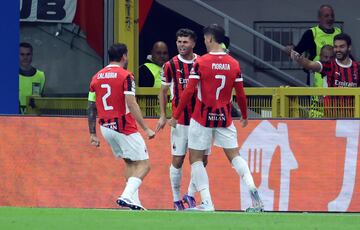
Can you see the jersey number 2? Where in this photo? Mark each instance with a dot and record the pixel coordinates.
(223, 79)
(107, 94)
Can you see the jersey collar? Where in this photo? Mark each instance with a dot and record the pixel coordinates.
(217, 53)
(342, 65)
(187, 61)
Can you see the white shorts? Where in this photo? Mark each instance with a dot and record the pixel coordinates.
(126, 146)
(201, 137)
(179, 140)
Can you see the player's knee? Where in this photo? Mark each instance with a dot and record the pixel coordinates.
(147, 167)
(196, 156)
(177, 161)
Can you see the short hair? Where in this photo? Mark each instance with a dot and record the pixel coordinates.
(26, 45)
(344, 37)
(325, 6)
(117, 51)
(184, 32)
(216, 31)
(326, 47)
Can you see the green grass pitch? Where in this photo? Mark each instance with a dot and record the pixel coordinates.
(15, 218)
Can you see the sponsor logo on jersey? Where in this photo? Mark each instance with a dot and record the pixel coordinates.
(345, 84)
(183, 81)
(111, 125)
(216, 117)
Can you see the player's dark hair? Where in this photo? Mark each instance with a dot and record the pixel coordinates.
(184, 32)
(116, 51)
(343, 37)
(26, 45)
(216, 31)
(325, 6)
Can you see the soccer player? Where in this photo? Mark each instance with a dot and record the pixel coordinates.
(112, 97)
(340, 71)
(215, 75)
(175, 75)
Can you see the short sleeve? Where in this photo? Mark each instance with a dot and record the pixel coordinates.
(326, 68)
(92, 94)
(239, 76)
(129, 85)
(165, 74)
(195, 72)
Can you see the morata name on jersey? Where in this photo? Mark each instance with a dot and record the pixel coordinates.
(220, 66)
(107, 75)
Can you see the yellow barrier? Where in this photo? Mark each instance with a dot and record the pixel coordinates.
(283, 102)
(298, 102)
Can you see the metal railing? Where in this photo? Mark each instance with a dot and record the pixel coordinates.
(228, 19)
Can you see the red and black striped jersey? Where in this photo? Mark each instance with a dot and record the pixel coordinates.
(215, 75)
(175, 73)
(339, 75)
(110, 86)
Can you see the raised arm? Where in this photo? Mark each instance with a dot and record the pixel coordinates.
(306, 63)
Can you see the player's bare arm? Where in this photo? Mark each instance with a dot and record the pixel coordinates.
(92, 123)
(172, 122)
(244, 122)
(287, 49)
(304, 62)
(136, 112)
(163, 102)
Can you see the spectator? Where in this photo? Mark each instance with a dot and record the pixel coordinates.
(316, 37)
(31, 80)
(326, 54)
(149, 72)
(316, 106)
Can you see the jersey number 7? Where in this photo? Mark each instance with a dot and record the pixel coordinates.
(223, 79)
